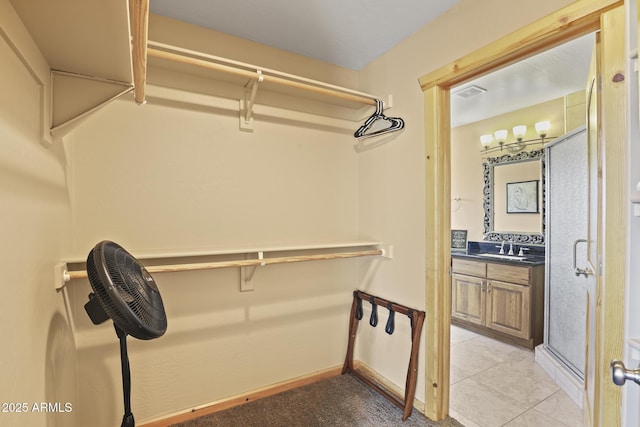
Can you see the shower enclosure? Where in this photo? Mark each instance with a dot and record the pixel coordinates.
(567, 204)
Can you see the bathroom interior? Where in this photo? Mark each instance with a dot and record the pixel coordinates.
(497, 239)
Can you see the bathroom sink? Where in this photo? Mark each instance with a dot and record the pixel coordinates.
(508, 257)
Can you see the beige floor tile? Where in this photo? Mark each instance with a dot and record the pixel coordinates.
(482, 405)
(458, 335)
(561, 407)
(466, 422)
(479, 352)
(507, 351)
(459, 373)
(476, 355)
(534, 418)
(521, 380)
(497, 384)
(465, 364)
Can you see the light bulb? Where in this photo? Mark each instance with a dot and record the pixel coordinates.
(519, 132)
(501, 135)
(543, 127)
(486, 140)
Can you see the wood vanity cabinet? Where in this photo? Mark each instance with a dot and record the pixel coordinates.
(502, 300)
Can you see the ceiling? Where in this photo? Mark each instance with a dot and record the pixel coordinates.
(353, 33)
(348, 33)
(540, 78)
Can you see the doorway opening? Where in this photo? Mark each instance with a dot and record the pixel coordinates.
(536, 101)
(573, 21)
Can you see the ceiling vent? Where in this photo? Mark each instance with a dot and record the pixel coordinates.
(469, 91)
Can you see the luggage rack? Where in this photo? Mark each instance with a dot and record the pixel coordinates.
(417, 320)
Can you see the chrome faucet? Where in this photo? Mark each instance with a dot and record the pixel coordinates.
(510, 248)
(501, 248)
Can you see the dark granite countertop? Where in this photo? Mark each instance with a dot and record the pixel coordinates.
(489, 252)
(527, 260)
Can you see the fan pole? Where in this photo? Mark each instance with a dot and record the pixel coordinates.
(127, 419)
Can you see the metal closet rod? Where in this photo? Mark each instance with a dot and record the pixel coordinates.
(82, 274)
(200, 59)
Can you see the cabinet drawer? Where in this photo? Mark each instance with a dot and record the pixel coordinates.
(509, 273)
(468, 267)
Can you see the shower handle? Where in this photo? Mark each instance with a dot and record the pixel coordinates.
(579, 271)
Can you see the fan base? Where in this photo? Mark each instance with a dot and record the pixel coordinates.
(128, 421)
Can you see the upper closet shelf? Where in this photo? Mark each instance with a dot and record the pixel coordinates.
(255, 74)
(98, 51)
(254, 78)
(87, 50)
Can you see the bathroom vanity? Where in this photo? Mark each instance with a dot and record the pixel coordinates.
(502, 297)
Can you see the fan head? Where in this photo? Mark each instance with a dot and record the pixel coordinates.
(126, 292)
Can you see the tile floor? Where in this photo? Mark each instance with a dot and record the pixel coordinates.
(497, 384)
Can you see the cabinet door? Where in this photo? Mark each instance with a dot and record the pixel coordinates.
(508, 307)
(468, 298)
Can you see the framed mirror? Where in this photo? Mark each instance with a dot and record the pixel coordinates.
(514, 199)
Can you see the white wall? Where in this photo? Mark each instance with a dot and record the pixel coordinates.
(38, 356)
(175, 176)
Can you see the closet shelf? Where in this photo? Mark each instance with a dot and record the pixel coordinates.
(252, 80)
(118, 60)
(77, 51)
(73, 269)
(226, 69)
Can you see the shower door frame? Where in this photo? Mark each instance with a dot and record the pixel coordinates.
(575, 370)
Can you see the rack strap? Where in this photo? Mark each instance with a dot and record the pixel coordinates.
(373, 320)
(390, 327)
(417, 320)
(358, 312)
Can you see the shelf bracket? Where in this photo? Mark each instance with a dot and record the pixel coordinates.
(246, 107)
(61, 275)
(247, 273)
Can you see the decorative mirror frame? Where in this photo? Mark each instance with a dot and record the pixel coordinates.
(489, 233)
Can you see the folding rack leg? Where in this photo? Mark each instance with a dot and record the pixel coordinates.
(353, 327)
(412, 379)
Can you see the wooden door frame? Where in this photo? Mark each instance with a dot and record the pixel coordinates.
(581, 17)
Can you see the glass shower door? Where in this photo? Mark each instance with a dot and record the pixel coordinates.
(567, 205)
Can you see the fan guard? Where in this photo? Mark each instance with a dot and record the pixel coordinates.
(124, 291)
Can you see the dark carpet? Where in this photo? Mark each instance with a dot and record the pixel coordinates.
(342, 401)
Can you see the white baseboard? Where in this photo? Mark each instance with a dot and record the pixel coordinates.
(562, 376)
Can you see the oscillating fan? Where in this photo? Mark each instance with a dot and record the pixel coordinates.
(125, 292)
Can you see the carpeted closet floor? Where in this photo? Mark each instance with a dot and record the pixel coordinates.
(342, 401)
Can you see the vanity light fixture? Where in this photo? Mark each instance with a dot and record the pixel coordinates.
(486, 140)
(519, 132)
(542, 128)
(501, 137)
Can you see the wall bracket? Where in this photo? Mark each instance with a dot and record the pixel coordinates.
(247, 103)
(246, 274)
